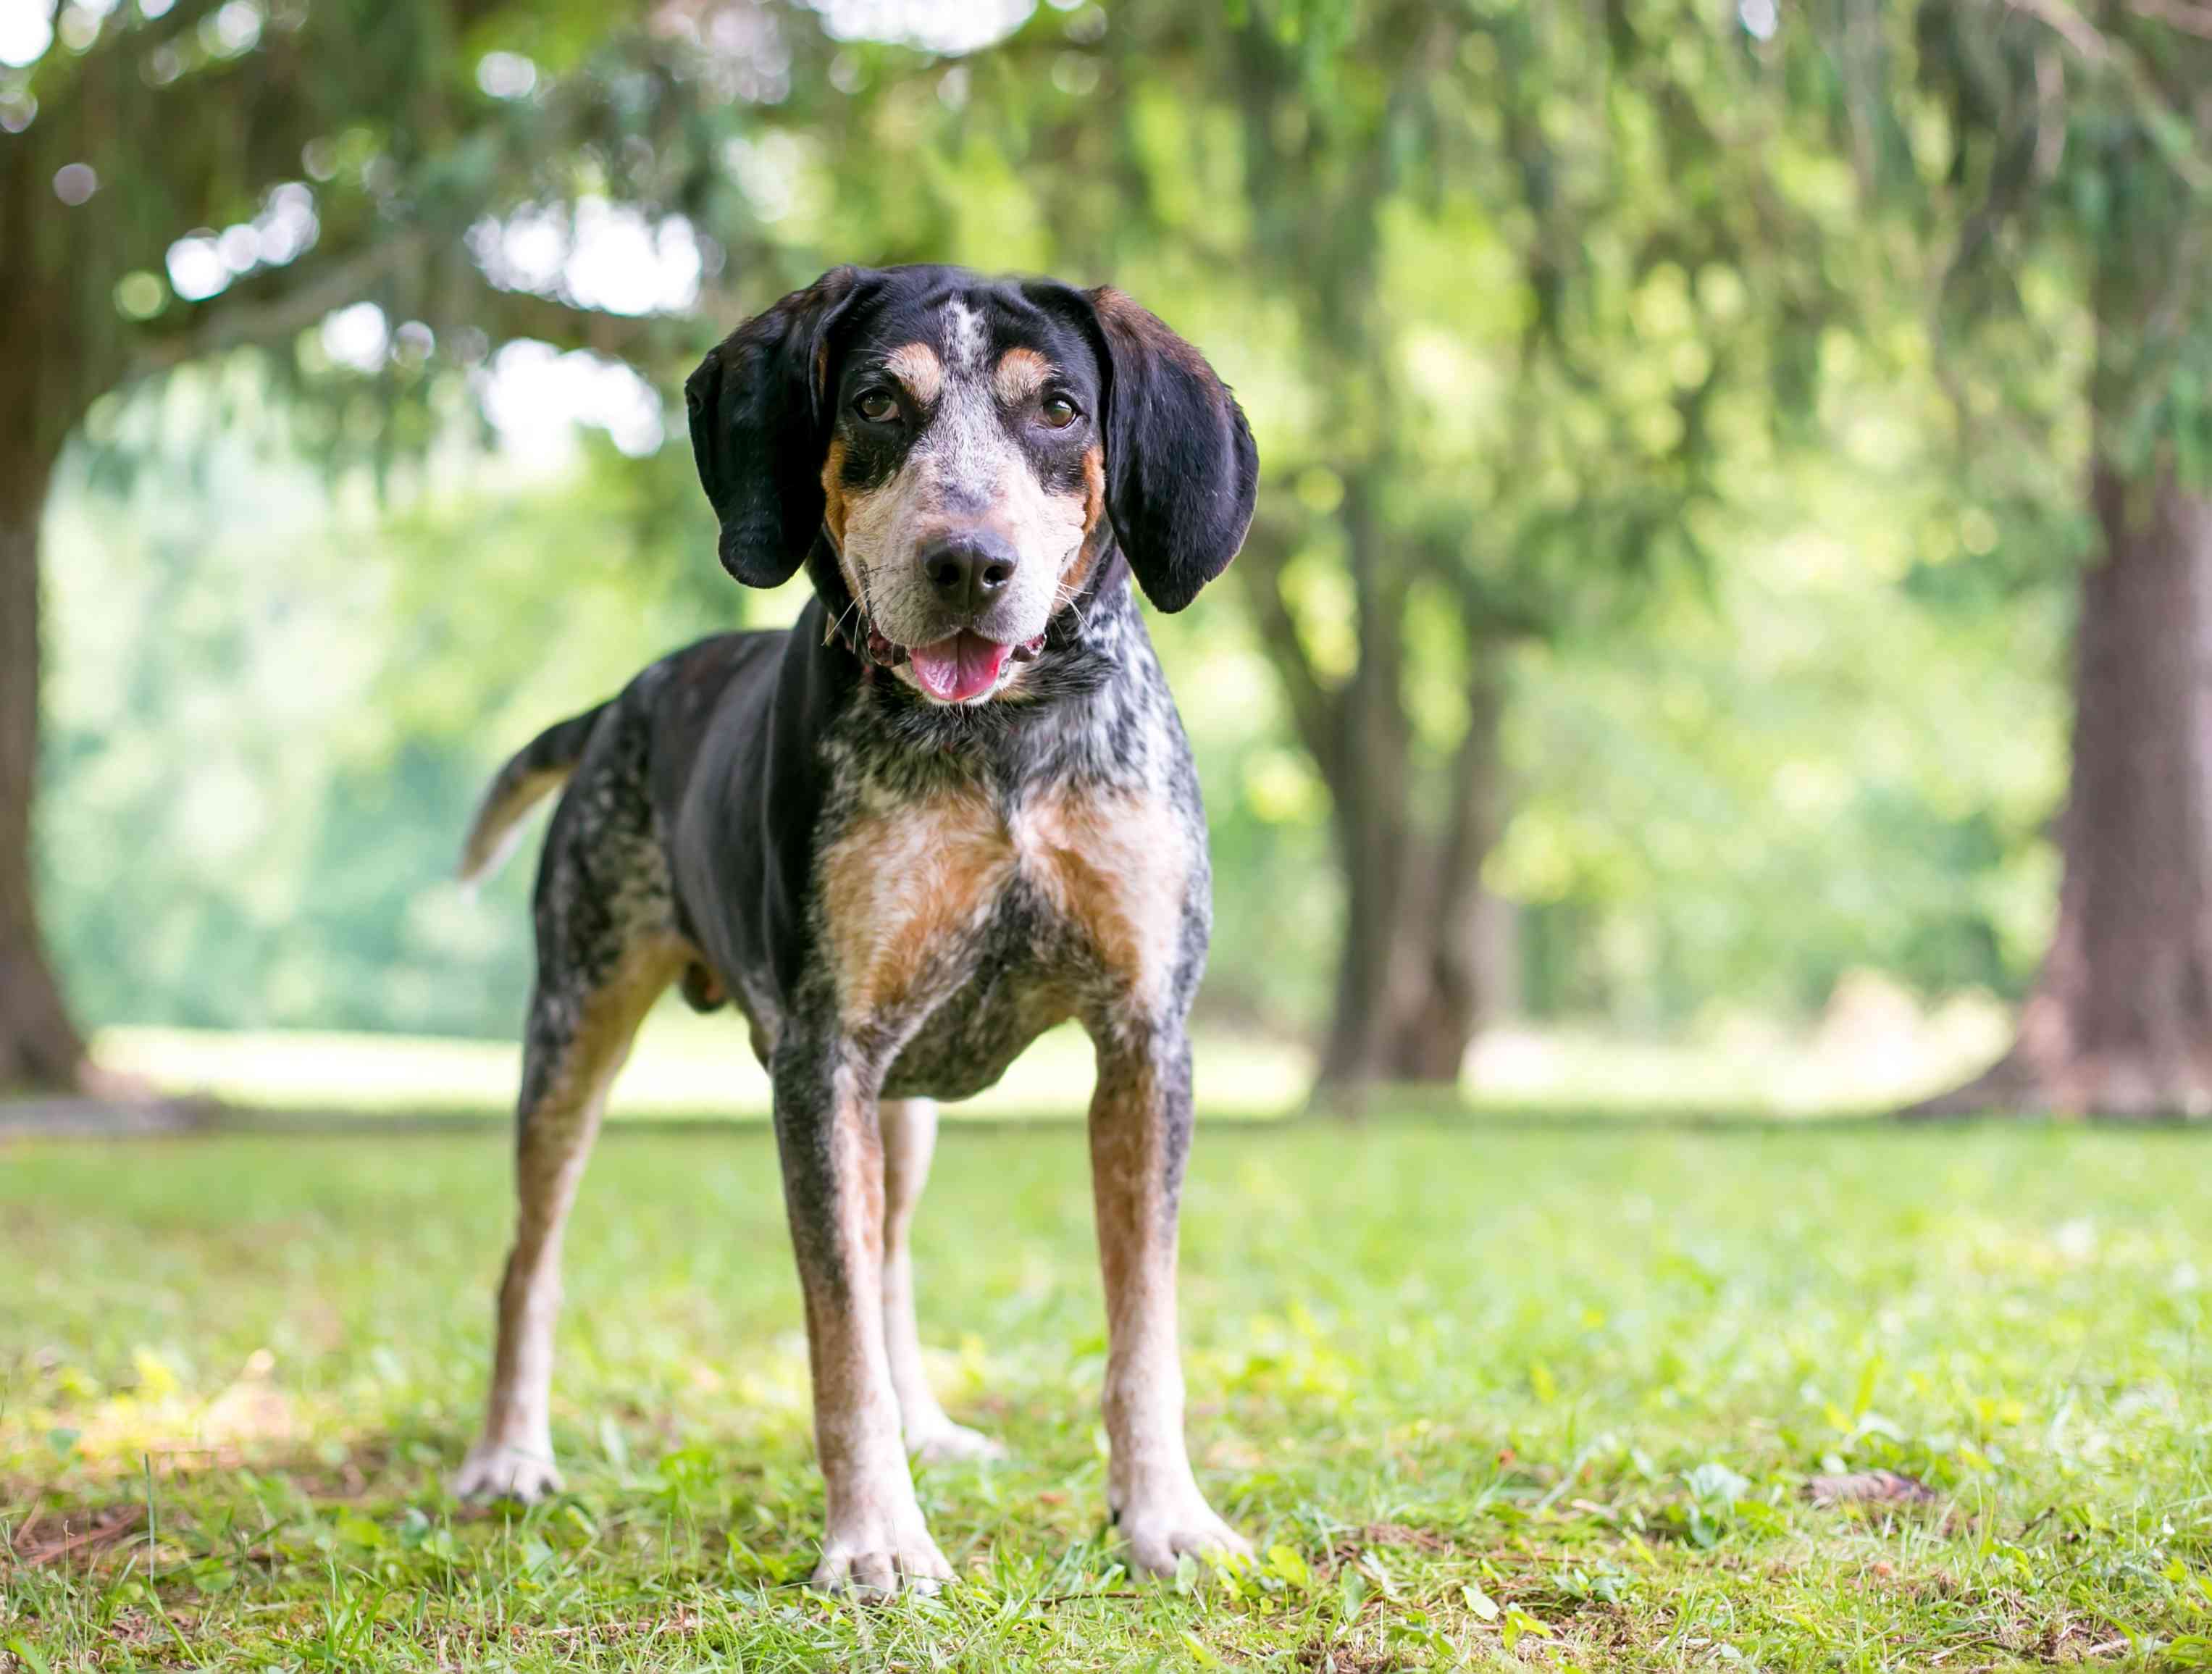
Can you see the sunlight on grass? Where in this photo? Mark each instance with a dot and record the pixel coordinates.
(1482, 1397)
(1875, 1049)
(685, 1065)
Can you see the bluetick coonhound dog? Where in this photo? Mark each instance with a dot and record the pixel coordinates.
(950, 808)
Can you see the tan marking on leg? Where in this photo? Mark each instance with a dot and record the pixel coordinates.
(875, 1540)
(900, 887)
(1150, 1489)
(1128, 1168)
(1020, 373)
(1118, 867)
(916, 366)
(514, 1455)
(910, 1131)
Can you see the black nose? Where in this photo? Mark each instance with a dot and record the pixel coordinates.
(970, 570)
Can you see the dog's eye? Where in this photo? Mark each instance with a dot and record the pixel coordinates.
(1058, 411)
(877, 406)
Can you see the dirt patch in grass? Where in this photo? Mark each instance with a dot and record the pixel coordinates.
(52, 1536)
(1348, 1548)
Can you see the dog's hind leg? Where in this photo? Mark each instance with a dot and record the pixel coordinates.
(910, 1131)
(577, 1042)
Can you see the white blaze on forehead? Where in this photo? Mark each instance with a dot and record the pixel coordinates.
(965, 337)
(968, 451)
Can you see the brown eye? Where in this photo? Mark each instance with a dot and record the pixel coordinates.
(1058, 411)
(877, 406)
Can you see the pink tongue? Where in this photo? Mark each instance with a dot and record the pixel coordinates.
(959, 667)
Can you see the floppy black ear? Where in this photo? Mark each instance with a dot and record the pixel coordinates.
(760, 427)
(1180, 470)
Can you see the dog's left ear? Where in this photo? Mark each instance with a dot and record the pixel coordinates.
(1180, 470)
(759, 407)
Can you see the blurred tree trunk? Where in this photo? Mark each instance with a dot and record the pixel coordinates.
(1458, 972)
(1425, 961)
(2120, 1019)
(1414, 978)
(1425, 958)
(1368, 779)
(205, 148)
(38, 1046)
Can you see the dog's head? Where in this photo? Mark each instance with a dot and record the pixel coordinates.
(971, 449)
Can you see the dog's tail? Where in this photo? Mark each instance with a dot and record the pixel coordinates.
(537, 770)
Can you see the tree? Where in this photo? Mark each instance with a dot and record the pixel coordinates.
(2059, 164)
(1496, 259)
(350, 152)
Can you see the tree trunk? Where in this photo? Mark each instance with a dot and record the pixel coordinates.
(1368, 791)
(2119, 1022)
(38, 1046)
(1422, 962)
(1457, 936)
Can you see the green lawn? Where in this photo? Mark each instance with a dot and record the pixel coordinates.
(1484, 1393)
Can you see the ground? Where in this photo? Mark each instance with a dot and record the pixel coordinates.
(1552, 1394)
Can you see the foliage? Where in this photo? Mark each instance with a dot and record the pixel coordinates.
(1561, 1404)
(1582, 327)
(1844, 754)
(229, 175)
(270, 721)
(2055, 149)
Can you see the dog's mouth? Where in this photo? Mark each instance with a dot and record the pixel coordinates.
(957, 668)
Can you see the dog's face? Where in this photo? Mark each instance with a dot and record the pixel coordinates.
(969, 448)
(965, 483)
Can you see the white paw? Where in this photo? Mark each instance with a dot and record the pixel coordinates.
(873, 1557)
(494, 1470)
(944, 1442)
(1165, 1527)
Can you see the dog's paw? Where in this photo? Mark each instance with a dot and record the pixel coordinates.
(1166, 1527)
(496, 1471)
(946, 1443)
(873, 1558)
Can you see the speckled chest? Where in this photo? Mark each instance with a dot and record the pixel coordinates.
(969, 902)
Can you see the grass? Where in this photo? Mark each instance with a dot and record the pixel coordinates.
(1484, 1394)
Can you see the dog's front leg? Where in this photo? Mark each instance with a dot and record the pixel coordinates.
(1140, 1124)
(833, 1182)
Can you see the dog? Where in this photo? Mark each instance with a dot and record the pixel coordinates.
(950, 808)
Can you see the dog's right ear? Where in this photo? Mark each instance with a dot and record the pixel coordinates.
(759, 408)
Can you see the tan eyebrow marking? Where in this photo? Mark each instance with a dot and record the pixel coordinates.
(916, 366)
(1020, 373)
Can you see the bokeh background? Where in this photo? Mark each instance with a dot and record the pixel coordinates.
(1647, 679)
(1726, 642)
